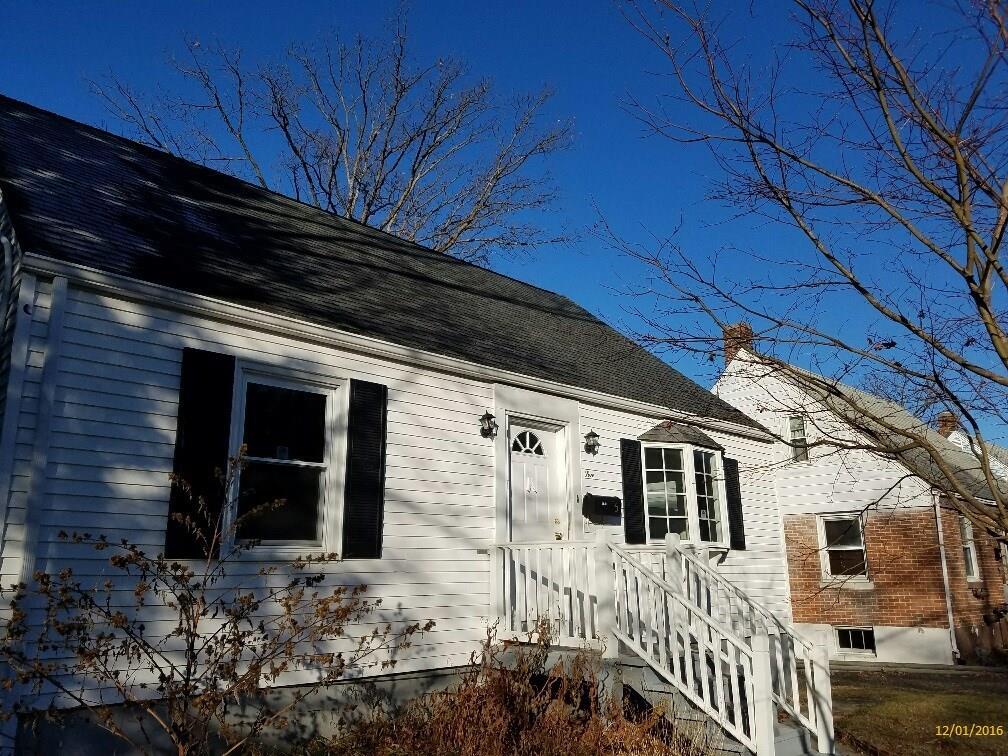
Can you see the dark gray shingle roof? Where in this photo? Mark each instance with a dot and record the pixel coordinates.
(85, 196)
(676, 433)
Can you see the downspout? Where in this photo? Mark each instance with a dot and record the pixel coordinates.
(945, 579)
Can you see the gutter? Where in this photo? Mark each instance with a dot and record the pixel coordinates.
(945, 579)
(174, 299)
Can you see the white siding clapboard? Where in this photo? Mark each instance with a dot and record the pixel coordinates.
(111, 447)
(830, 480)
(760, 570)
(111, 444)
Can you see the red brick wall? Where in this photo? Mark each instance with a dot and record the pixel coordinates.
(903, 565)
(905, 569)
(972, 601)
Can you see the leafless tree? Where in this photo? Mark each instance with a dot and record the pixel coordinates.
(876, 140)
(421, 150)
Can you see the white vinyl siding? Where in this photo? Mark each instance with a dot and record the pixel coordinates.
(760, 569)
(112, 446)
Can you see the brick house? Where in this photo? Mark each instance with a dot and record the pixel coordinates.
(874, 555)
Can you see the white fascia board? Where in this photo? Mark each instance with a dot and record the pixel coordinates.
(130, 288)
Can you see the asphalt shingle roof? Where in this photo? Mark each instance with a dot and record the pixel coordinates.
(86, 196)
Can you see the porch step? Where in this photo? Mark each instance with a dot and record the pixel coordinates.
(789, 739)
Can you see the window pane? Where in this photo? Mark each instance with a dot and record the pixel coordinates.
(798, 427)
(677, 506)
(283, 423)
(679, 525)
(843, 638)
(708, 530)
(296, 519)
(842, 532)
(653, 458)
(869, 639)
(847, 562)
(968, 561)
(676, 486)
(658, 528)
(656, 505)
(673, 459)
(655, 482)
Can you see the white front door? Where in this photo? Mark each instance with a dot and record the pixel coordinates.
(538, 483)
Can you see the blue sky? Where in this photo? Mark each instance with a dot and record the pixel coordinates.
(584, 50)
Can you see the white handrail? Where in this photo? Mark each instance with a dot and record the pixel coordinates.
(713, 593)
(692, 625)
(706, 662)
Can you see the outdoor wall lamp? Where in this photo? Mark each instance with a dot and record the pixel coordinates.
(488, 426)
(591, 442)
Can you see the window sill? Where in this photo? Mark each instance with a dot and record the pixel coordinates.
(846, 584)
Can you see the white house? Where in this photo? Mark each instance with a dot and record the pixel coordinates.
(161, 315)
(876, 556)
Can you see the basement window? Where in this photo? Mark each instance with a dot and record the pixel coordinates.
(859, 640)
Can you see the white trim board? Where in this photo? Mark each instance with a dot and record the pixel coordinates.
(130, 288)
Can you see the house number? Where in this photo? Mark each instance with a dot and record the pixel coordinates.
(589, 475)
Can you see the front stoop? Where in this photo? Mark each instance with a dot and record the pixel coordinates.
(789, 739)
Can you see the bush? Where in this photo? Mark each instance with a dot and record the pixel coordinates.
(514, 702)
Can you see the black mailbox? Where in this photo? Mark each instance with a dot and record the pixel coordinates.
(601, 506)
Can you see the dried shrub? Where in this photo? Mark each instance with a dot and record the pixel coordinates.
(517, 700)
(185, 652)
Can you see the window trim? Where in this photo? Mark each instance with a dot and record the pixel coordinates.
(692, 507)
(828, 577)
(971, 564)
(857, 651)
(337, 392)
(798, 453)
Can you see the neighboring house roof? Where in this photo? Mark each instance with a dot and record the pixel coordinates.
(84, 196)
(677, 433)
(869, 414)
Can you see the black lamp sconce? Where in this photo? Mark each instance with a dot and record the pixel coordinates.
(488, 426)
(591, 444)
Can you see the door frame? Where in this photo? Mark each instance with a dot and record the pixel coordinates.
(557, 456)
(515, 405)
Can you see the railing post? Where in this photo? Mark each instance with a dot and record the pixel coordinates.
(764, 712)
(497, 578)
(605, 593)
(823, 693)
(673, 562)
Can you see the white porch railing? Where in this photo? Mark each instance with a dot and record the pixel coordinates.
(729, 655)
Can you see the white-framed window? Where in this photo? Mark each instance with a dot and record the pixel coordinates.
(969, 549)
(798, 438)
(684, 493)
(841, 544)
(287, 496)
(859, 640)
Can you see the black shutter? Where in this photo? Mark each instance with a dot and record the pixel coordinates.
(736, 528)
(202, 440)
(364, 495)
(633, 491)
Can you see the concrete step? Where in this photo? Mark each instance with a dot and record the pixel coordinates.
(790, 739)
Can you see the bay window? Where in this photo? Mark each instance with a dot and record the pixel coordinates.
(684, 493)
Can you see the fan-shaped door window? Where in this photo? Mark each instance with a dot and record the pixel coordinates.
(528, 442)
